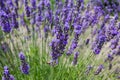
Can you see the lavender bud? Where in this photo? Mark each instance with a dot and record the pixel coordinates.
(110, 57)
(75, 58)
(96, 50)
(27, 8)
(21, 56)
(99, 69)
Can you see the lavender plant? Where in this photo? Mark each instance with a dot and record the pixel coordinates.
(55, 33)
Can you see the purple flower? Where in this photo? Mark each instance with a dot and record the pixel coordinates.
(75, 58)
(74, 44)
(66, 27)
(27, 9)
(99, 41)
(21, 56)
(99, 69)
(41, 5)
(55, 49)
(110, 57)
(33, 3)
(69, 52)
(80, 4)
(48, 5)
(114, 43)
(4, 21)
(102, 38)
(10, 4)
(96, 50)
(6, 74)
(10, 78)
(55, 55)
(24, 65)
(6, 27)
(25, 68)
(2, 4)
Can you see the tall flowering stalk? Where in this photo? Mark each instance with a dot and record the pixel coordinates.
(57, 44)
(24, 65)
(77, 33)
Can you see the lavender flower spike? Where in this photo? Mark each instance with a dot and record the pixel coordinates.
(75, 58)
(24, 65)
(99, 69)
(25, 68)
(6, 74)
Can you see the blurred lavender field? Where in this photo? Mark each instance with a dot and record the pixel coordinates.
(59, 39)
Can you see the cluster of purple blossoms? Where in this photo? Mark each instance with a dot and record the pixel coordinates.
(77, 31)
(7, 75)
(112, 30)
(67, 18)
(58, 44)
(4, 22)
(24, 65)
(113, 35)
(69, 15)
(114, 43)
(100, 39)
(8, 16)
(109, 6)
